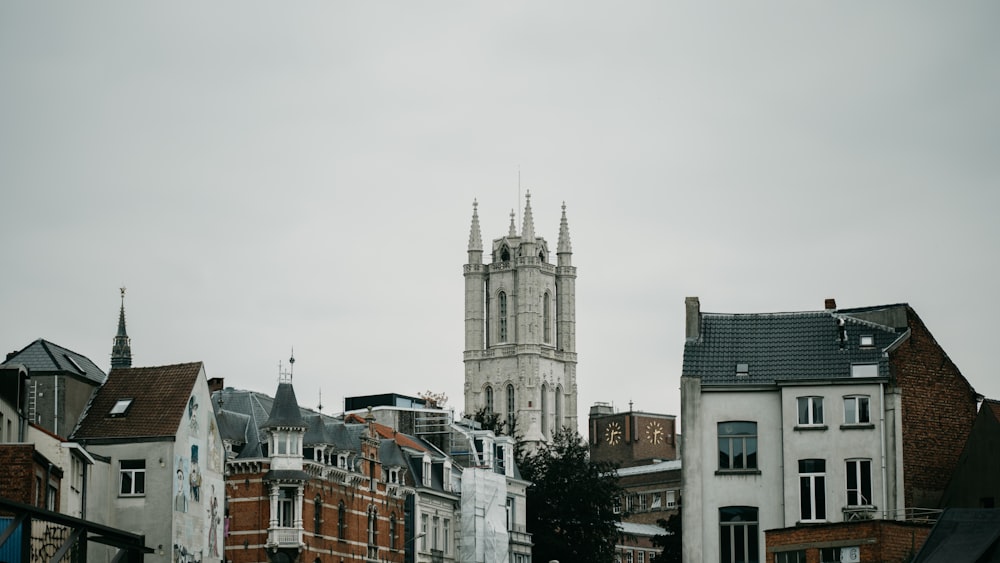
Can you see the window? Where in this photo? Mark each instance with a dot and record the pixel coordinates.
(856, 410)
(812, 490)
(341, 521)
(318, 514)
(435, 532)
(617, 507)
(738, 534)
(446, 539)
(502, 300)
(489, 399)
(426, 477)
(737, 446)
(642, 503)
(864, 370)
(630, 503)
(286, 506)
(546, 319)
(628, 557)
(510, 410)
(859, 482)
(829, 555)
(133, 477)
(372, 526)
(510, 513)
(641, 557)
(121, 407)
(392, 531)
(671, 499)
(342, 460)
(424, 522)
(790, 557)
(810, 411)
(657, 503)
(867, 341)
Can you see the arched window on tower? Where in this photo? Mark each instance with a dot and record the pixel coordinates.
(547, 318)
(393, 533)
(502, 317)
(544, 403)
(511, 412)
(489, 399)
(318, 514)
(341, 521)
(372, 528)
(559, 407)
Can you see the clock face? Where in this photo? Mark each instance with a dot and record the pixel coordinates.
(654, 432)
(613, 433)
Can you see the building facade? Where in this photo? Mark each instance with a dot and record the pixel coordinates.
(520, 329)
(799, 419)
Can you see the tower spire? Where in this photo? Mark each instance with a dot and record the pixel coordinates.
(475, 236)
(528, 225)
(565, 247)
(512, 232)
(121, 350)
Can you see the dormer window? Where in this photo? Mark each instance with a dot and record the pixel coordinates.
(867, 341)
(427, 471)
(392, 476)
(121, 407)
(342, 460)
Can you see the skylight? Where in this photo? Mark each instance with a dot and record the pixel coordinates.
(120, 407)
(75, 365)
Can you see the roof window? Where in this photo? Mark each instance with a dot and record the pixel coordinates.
(742, 370)
(867, 341)
(121, 407)
(75, 365)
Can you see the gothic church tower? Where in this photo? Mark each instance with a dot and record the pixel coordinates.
(520, 329)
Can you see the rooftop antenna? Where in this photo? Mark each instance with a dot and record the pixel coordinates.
(291, 365)
(319, 407)
(518, 194)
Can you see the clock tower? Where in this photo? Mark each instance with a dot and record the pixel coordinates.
(520, 329)
(631, 438)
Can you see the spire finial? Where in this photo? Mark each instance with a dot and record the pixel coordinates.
(475, 236)
(564, 247)
(512, 232)
(121, 349)
(528, 225)
(319, 406)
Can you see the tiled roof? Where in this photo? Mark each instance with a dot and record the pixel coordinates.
(783, 346)
(285, 411)
(42, 357)
(642, 530)
(159, 401)
(994, 406)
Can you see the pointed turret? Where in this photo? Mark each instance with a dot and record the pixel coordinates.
(475, 237)
(512, 232)
(565, 248)
(121, 350)
(528, 225)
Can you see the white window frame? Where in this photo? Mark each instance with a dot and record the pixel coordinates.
(809, 411)
(852, 409)
(816, 481)
(856, 468)
(136, 476)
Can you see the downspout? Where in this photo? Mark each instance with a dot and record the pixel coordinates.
(885, 479)
(55, 406)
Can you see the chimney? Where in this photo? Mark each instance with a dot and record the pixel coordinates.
(216, 384)
(693, 318)
(830, 304)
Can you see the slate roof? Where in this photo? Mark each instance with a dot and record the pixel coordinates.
(783, 346)
(963, 534)
(42, 357)
(159, 402)
(285, 410)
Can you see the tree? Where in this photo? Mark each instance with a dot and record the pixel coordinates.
(570, 511)
(670, 540)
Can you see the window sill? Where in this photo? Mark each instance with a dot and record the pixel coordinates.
(857, 426)
(811, 428)
(722, 472)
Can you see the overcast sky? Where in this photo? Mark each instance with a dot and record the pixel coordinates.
(264, 176)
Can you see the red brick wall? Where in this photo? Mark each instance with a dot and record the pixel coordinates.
(17, 480)
(249, 511)
(938, 411)
(885, 541)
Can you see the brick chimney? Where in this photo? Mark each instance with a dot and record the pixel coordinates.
(830, 304)
(693, 318)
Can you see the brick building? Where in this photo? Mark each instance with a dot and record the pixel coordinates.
(305, 487)
(887, 541)
(797, 420)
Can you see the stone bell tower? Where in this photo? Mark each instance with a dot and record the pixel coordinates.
(520, 329)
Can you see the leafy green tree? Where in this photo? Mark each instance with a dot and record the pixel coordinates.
(570, 511)
(670, 541)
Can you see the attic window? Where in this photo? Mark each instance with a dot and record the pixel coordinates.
(121, 407)
(867, 341)
(742, 370)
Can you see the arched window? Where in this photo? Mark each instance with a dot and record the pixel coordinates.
(372, 526)
(511, 412)
(317, 514)
(341, 522)
(502, 316)
(544, 403)
(489, 399)
(392, 531)
(546, 318)
(559, 407)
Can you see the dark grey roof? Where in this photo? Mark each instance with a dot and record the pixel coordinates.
(285, 410)
(783, 346)
(317, 431)
(963, 534)
(42, 357)
(286, 475)
(234, 426)
(389, 453)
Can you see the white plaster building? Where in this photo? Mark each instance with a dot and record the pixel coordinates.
(520, 329)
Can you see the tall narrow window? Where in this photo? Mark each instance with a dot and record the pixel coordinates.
(544, 403)
(810, 411)
(341, 521)
(812, 490)
(393, 533)
(286, 505)
(502, 316)
(446, 536)
(489, 399)
(546, 318)
(738, 530)
(372, 526)
(737, 446)
(424, 524)
(558, 399)
(511, 413)
(318, 515)
(859, 482)
(856, 410)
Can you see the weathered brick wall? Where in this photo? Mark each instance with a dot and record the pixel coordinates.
(938, 411)
(884, 541)
(17, 480)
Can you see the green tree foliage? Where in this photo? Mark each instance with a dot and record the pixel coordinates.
(570, 511)
(670, 540)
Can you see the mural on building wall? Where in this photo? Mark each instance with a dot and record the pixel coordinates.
(195, 474)
(180, 485)
(214, 448)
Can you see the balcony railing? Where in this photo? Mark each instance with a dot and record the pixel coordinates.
(284, 537)
(911, 514)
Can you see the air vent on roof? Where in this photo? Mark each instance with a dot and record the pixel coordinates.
(742, 370)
